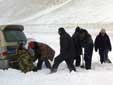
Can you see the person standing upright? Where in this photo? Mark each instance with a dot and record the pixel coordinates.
(103, 44)
(77, 45)
(86, 43)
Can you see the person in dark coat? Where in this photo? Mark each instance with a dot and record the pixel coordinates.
(42, 52)
(103, 44)
(77, 45)
(66, 51)
(86, 43)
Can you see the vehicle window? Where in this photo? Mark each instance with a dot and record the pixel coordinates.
(14, 36)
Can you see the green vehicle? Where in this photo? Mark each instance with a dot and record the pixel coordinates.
(10, 37)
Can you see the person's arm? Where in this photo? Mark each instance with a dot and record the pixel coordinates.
(109, 44)
(96, 44)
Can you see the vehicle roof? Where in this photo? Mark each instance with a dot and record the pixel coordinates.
(3, 27)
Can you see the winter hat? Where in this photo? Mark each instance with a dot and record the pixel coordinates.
(61, 30)
(31, 45)
(28, 41)
(102, 30)
(77, 29)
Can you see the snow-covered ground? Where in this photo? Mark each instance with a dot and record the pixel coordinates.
(44, 29)
(98, 75)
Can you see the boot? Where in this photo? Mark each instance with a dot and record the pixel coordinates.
(108, 61)
(35, 69)
(53, 70)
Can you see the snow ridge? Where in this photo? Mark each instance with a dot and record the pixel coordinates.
(57, 4)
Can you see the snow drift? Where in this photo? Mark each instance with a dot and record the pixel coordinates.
(79, 12)
(70, 11)
(14, 11)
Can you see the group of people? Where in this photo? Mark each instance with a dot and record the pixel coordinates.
(71, 50)
(26, 56)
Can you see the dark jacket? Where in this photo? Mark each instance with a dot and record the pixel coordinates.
(46, 51)
(66, 45)
(41, 51)
(77, 43)
(102, 42)
(85, 38)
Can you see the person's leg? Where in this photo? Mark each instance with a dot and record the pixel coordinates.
(107, 60)
(47, 63)
(69, 62)
(88, 56)
(57, 61)
(39, 64)
(78, 61)
(102, 59)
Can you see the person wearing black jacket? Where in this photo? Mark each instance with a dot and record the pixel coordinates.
(66, 51)
(77, 45)
(86, 43)
(103, 44)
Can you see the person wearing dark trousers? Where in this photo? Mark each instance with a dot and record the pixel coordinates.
(103, 44)
(77, 45)
(37, 54)
(40, 62)
(59, 59)
(88, 55)
(66, 51)
(87, 44)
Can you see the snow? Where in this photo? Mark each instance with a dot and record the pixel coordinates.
(91, 15)
(16, 11)
(79, 12)
(66, 11)
(100, 74)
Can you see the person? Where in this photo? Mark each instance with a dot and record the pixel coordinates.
(66, 51)
(25, 62)
(86, 43)
(103, 44)
(42, 52)
(77, 45)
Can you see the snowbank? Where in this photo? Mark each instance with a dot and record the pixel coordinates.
(79, 12)
(16, 11)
